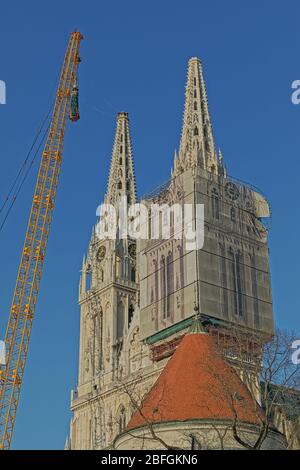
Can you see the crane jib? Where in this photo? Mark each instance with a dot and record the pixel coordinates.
(34, 249)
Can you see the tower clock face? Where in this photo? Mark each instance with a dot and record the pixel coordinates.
(101, 254)
(231, 191)
(132, 251)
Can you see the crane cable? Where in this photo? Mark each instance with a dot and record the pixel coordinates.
(18, 182)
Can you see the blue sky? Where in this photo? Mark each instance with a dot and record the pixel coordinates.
(134, 59)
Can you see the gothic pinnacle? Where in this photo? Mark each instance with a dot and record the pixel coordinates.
(197, 144)
(121, 177)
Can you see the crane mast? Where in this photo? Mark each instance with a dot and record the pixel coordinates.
(31, 264)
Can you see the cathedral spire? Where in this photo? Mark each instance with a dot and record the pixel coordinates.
(121, 176)
(197, 144)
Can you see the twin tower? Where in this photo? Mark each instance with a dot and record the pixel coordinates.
(138, 297)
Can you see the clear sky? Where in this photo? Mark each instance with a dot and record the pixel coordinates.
(134, 59)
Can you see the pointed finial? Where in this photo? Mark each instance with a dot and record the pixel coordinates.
(196, 325)
(173, 170)
(93, 236)
(196, 310)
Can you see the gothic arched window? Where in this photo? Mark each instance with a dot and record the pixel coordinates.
(236, 272)
(238, 262)
(232, 214)
(118, 266)
(130, 313)
(132, 274)
(122, 420)
(233, 280)
(120, 320)
(195, 105)
(215, 204)
(163, 285)
(196, 132)
(88, 283)
(169, 276)
(120, 185)
(149, 224)
(223, 279)
(195, 445)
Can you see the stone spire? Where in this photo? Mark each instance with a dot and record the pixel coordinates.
(197, 144)
(121, 176)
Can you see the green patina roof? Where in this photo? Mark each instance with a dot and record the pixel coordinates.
(170, 330)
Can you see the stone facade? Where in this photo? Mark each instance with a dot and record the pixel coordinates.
(137, 298)
(197, 435)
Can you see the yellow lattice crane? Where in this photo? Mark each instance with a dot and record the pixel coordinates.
(32, 259)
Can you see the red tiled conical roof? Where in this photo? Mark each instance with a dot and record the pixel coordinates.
(196, 383)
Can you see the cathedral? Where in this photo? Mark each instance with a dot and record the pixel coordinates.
(150, 309)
